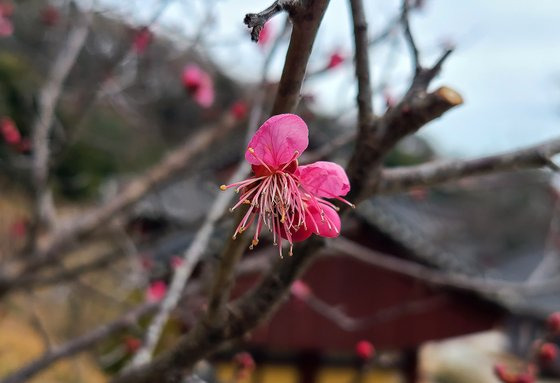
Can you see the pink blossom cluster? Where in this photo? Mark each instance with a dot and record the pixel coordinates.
(289, 199)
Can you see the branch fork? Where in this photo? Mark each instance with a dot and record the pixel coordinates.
(256, 21)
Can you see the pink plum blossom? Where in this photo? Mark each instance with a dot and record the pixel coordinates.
(156, 291)
(287, 198)
(9, 131)
(6, 27)
(199, 84)
(142, 39)
(239, 110)
(335, 60)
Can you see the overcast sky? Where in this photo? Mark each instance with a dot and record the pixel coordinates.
(506, 66)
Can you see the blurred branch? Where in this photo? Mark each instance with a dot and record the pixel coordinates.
(361, 57)
(33, 280)
(48, 99)
(258, 263)
(549, 265)
(413, 112)
(409, 37)
(79, 344)
(347, 323)
(183, 272)
(243, 316)
(404, 178)
(503, 293)
(328, 148)
(99, 84)
(69, 232)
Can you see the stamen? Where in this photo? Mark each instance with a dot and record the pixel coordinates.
(296, 155)
(346, 202)
(252, 151)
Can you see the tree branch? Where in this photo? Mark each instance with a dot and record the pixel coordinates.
(243, 316)
(79, 344)
(409, 37)
(361, 57)
(404, 178)
(408, 116)
(70, 232)
(207, 337)
(306, 20)
(48, 99)
(258, 263)
(174, 162)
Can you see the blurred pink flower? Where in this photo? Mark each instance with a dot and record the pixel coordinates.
(239, 110)
(6, 26)
(548, 352)
(142, 40)
(50, 16)
(364, 350)
(199, 84)
(245, 365)
(553, 323)
(132, 344)
(18, 229)
(335, 60)
(156, 291)
(506, 376)
(300, 290)
(176, 261)
(9, 131)
(287, 198)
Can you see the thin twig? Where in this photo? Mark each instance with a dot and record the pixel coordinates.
(409, 37)
(361, 57)
(347, 323)
(48, 99)
(404, 178)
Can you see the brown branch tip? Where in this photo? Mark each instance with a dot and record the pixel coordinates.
(256, 21)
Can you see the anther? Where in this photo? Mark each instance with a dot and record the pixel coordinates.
(223, 187)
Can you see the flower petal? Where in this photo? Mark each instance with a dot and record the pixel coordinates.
(301, 234)
(277, 140)
(329, 227)
(324, 179)
(204, 95)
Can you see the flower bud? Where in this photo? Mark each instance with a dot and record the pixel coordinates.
(553, 322)
(548, 352)
(364, 350)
